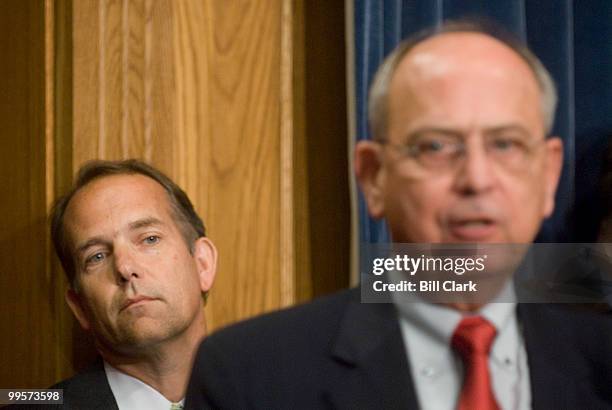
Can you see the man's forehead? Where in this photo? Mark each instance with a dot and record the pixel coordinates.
(116, 195)
(463, 79)
(448, 52)
(114, 188)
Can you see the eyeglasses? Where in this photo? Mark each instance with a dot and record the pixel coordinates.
(440, 152)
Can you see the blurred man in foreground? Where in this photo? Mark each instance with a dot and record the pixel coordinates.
(459, 154)
(139, 266)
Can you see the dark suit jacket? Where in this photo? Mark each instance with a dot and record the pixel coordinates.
(88, 390)
(339, 353)
(85, 391)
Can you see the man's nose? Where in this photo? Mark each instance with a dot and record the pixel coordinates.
(126, 266)
(476, 172)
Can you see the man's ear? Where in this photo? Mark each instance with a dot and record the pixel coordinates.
(554, 163)
(368, 170)
(74, 302)
(205, 255)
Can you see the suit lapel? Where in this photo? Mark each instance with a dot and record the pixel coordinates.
(90, 390)
(369, 344)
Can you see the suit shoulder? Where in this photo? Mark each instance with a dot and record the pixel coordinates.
(92, 376)
(314, 320)
(239, 363)
(89, 388)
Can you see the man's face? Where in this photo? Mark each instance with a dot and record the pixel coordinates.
(138, 283)
(470, 88)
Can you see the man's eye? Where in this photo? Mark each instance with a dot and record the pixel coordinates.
(151, 239)
(431, 146)
(434, 147)
(502, 144)
(95, 258)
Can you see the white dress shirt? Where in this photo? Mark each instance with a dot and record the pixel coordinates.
(437, 371)
(133, 394)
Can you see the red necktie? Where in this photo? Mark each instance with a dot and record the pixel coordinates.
(472, 340)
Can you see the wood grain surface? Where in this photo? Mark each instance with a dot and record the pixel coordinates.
(215, 93)
(28, 308)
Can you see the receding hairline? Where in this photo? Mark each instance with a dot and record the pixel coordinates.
(460, 37)
(89, 185)
(380, 87)
(445, 51)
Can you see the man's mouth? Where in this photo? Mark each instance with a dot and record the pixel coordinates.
(477, 229)
(136, 301)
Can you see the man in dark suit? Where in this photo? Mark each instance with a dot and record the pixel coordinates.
(460, 117)
(139, 266)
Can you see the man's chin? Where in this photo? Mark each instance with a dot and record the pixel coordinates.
(140, 337)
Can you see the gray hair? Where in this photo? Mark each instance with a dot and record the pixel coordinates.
(379, 90)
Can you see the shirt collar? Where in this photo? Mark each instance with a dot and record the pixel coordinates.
(133, 394)
(439, 322)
